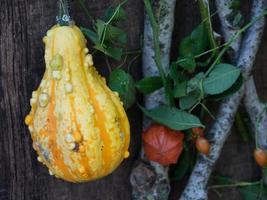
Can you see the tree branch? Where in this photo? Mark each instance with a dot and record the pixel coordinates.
(256, 110)
(253, 105)
(196, 187)
(150, 180)
(223, 8)
(258, 116)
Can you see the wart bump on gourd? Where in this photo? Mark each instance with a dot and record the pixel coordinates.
(72, 112)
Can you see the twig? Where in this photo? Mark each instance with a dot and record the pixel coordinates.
(251, 99)
(205, 14)
(108, 64)
(233, 39)
(208, 111)
(196, 187)
(132, 62)
(150, 180)
(224, 11)
(104, 32)
(238, 184)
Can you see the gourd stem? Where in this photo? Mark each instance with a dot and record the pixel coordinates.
(63, 18)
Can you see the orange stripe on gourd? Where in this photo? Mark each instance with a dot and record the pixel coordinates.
(57, 158)
(124, 126)
(123, 120)
(84, 160)
(100, 124)
(82, 80)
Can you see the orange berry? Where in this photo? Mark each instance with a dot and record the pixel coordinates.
(260, 157)
(203, 145)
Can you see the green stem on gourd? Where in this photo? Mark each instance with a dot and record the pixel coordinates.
(63, 18)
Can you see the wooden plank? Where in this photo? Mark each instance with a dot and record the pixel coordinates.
(22, 26)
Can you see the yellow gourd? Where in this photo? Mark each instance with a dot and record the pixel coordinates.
(78, 125)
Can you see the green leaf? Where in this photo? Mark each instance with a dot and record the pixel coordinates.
(195, 43)
(199, 38)
(123, 83)
(115, 34)
(176, 75)
(182, 166)
(174, 71)
(149, 84)
(90, 34)
(187, 63)
(109, 33)
(233, 89)
(172, 117)
(118, 16)
(189, 100)
(194, 84)
(108, 38)
(100, 28)
(185, 47)
(221, 78)
(179, 89)
(254, 192)
(112, 52)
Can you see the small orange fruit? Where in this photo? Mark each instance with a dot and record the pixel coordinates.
(260, 157)
(203, 145)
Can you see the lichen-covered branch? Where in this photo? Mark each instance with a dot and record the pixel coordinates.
(165, 10)
(255, 108)
(257, 112)
(252, 103)
(228, 31)
(150, 180)
(196, 188)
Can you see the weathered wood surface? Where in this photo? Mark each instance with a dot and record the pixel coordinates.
(22, 26)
